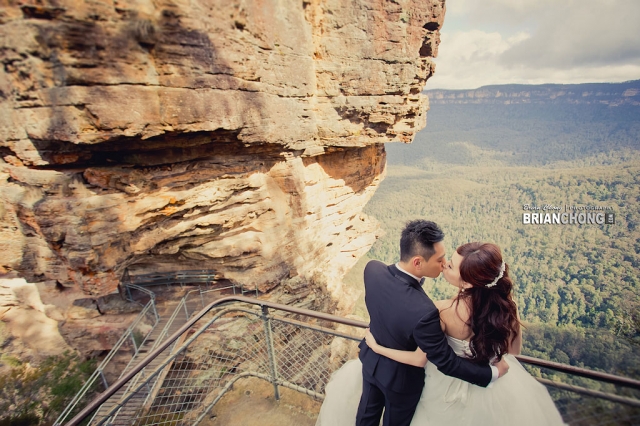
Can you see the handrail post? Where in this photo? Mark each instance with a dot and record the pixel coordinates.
(155, 311)
(133, 339)
(270, 349)
(184, 303)
(104, 380)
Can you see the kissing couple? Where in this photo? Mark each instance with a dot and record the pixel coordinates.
(464, 345)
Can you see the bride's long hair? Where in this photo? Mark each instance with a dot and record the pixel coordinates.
(493, 315)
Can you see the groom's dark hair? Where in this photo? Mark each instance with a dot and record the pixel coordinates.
(418, 238)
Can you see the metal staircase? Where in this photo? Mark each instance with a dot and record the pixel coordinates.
(166, 326)
(174, 316)
(170, 324)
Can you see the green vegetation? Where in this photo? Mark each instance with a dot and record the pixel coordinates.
(564, 274)
(37, 395)
(472, 171)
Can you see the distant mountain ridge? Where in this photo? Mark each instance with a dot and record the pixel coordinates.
(612, 94)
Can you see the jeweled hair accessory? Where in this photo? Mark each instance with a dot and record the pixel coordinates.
(500, 275)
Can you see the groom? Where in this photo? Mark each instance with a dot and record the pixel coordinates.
(404, 317)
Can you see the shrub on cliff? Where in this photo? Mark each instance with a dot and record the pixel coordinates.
(35, 395)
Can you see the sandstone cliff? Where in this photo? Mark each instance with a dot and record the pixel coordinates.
(240, 136)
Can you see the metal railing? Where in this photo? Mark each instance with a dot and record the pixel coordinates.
(138, 339)
(238, 337)
(140, 328)
(192, 276)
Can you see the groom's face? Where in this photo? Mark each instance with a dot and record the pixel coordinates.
(435, 264)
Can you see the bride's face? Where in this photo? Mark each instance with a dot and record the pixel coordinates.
(452, 271)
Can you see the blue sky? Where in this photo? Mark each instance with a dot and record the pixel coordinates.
(537, 41)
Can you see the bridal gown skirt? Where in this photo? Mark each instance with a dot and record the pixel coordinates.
(515, 399)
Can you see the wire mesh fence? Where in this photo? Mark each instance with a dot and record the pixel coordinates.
(287, 349)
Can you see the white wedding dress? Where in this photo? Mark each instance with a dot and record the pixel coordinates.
(514, 399)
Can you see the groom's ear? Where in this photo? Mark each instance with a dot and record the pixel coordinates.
(416, 261)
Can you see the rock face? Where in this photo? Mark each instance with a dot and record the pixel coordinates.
(37, 320)
(240, 136)
(28, 325)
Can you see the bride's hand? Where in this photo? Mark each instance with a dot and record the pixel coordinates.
(371, 341)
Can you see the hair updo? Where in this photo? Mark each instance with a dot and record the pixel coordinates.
(493, 315)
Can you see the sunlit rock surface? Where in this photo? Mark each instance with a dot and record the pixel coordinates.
(28, 325)
(240, 136)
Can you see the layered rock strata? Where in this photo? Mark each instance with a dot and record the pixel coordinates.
(240, 136)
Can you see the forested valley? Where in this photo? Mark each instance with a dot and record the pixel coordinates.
(475, 167)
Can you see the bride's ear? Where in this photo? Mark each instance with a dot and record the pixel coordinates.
(464, 285)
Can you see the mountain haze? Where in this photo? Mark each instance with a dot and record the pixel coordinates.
(611, 94)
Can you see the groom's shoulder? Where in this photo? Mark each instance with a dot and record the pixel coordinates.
(375, 264)
(375, 267)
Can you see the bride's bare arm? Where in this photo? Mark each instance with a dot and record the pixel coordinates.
(516, 345)
(416, 358)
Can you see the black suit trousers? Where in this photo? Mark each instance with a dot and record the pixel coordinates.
(398, 407)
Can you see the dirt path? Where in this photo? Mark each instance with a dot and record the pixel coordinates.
(252, 402)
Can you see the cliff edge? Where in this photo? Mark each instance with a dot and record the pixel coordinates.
(239, 136)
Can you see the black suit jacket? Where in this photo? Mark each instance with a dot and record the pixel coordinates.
(404, 317)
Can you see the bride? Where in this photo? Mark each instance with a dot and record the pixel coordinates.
(481, 323)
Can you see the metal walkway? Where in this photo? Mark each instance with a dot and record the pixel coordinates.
(139, 343)
(237, 337)
(176, 316)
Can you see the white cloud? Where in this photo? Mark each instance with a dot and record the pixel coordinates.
(583, 36)
(538, 41)
(477, 46)
(468, 59)
(502, 13)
